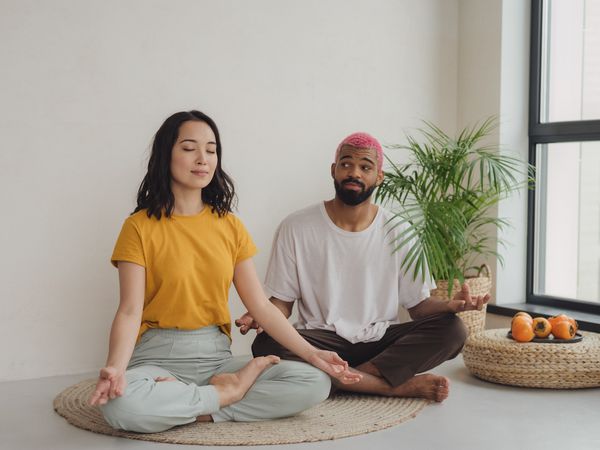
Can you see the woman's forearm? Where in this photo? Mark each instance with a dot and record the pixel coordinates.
(266, 313)
(123, 334)
(277, 326)
(126, 324)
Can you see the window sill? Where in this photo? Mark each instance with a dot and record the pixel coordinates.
(587, 321)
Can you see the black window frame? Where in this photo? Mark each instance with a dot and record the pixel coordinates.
(544, 133)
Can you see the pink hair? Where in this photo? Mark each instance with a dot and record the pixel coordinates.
(362, 140)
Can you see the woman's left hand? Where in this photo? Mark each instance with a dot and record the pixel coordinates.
(334, 366)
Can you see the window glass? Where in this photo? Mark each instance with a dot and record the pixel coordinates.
(567, 248)
(570, 61)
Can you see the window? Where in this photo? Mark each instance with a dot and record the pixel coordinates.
(563, 254)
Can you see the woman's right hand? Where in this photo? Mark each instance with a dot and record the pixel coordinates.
(334, 366)
(111, 384)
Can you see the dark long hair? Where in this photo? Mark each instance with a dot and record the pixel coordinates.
(155, 193)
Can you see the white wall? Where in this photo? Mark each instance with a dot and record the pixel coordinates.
(479, 74)
(86, 83)
(514, 112)
(494, 80)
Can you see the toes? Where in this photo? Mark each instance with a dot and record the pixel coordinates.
(442, 389)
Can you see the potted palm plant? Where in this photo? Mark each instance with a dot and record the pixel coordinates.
(446, 196)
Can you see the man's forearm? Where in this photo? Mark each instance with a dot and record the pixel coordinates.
(429, 307)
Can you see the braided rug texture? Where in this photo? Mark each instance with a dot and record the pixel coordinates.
(340, 416)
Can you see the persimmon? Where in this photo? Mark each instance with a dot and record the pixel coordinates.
(562, 317)
(541, 327)
(574, 323)
(563, 330)
(522, 329)
(521, 315)
(556, 319)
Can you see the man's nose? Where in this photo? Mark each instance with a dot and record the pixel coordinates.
(355, 172)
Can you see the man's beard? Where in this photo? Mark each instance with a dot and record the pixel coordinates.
(353, 198)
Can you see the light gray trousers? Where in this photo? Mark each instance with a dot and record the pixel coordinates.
(193, 357)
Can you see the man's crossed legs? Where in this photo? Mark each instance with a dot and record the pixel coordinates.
(394, 365)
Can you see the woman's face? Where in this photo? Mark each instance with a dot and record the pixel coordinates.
(194, 157)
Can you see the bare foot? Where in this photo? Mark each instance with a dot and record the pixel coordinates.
(205, 418)
(427, 385)
(233, 386)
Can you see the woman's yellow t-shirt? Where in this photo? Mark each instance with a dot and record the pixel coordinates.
(189, 263)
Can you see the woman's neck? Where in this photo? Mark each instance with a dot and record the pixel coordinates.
(187, 203)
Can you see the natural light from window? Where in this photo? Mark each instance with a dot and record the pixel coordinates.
(571, 61)
(567, 219)
(568, 246)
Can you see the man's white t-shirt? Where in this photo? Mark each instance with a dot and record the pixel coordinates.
(348, 282)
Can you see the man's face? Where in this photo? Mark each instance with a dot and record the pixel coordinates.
(355, 174)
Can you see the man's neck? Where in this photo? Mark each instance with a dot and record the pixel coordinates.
(351, 218)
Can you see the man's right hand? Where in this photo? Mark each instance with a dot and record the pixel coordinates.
(247, 323)
(111, 384)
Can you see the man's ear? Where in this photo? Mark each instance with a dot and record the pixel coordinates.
(380, 177)
(333, 170)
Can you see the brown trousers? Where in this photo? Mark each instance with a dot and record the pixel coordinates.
(405, 350)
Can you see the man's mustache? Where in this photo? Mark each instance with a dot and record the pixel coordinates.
(355, 181)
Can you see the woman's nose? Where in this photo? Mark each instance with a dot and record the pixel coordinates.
(201, 158)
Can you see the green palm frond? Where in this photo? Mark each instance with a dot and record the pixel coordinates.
(442, 199)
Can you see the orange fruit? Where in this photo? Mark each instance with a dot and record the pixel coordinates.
(541, 327)
(522, 329)
(521, 316)
(563, 330)
(574, 323)
(562, 317)
(556, 319)
(524, 314)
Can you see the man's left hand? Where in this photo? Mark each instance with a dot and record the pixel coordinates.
(464, 301)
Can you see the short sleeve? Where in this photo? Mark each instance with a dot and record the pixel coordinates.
(245, 247)
(129, 245)
(413, 290)
(282, 280)
(412, 293)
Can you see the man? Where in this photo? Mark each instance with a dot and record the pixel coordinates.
(336, 260)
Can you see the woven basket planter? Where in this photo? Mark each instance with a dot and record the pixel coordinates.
(480, 284)
(492, 356)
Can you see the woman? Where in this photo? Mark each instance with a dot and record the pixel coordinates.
(177, 255)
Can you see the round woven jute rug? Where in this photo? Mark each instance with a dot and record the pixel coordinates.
(340, 416)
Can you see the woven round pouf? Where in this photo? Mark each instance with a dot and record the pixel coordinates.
(492, 356)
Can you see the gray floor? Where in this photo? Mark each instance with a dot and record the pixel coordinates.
(478, 415)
